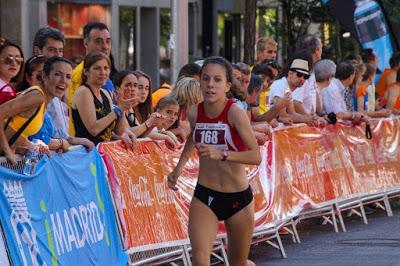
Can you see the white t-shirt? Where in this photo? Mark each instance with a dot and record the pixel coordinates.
(58, 111)
(307, 94)
(332, 97)
(278, 88)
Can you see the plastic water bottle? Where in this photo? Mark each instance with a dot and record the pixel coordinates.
(31, 159)
(372, 30)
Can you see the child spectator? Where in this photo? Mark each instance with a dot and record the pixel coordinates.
(168, 108)
(267, 76)
(187, 93)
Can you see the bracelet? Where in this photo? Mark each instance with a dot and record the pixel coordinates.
(117, 111)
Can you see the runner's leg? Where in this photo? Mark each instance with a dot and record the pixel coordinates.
(239, 229)
(203, 225)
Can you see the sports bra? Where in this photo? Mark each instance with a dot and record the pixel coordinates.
(217, 131)
(34, 126)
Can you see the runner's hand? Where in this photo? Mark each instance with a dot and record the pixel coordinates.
(173, 178)
(209, 152)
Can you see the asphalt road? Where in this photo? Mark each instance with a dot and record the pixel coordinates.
(375, 243)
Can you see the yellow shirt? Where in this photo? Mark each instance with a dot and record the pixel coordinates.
(34, 126)
(76, 82)
(263, 106)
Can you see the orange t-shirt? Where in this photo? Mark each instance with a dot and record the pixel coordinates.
(397, 104)
(361, 91)
(381, 86)
(160, 93)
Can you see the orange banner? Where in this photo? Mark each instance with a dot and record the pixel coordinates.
(302, 166)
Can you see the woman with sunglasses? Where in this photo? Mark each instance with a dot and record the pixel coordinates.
(23, 116)
(11, 61)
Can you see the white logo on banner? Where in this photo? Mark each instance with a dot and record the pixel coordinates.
(21, 223)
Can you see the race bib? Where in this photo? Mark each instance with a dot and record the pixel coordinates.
(211, 133)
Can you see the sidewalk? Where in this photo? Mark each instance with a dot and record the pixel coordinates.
(377, 243)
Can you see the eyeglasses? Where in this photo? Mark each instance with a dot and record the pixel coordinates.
(302, 75)
(9, 59)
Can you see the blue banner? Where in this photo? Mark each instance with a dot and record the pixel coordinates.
(61, 215)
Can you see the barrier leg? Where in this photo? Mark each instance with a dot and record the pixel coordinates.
(281, 248)
(363, 213)
(387, 205)
(296, 234)
(334, 220)
(223, 253)
(186, 256)
(340, 218)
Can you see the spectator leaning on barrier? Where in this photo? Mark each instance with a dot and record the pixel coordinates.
(267, 75)
(47, 132)
(324, 71)
(266, 49)
(333, 96)
(126, 84)
(305, 98)
(388, 76)
(369, 57)
(23, 116)
(296, 74)
(96, 38)
(94, 115)
(361, 95)
(49, 42)
(392, 96)
(222, 192)
(11, 68)
(261, 129)
(168, 109)
(143, 110)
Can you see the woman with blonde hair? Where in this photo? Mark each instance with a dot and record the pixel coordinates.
(187, 93)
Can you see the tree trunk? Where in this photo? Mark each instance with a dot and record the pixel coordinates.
(249, 31)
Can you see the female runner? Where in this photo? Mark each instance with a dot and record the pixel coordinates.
(222, 134)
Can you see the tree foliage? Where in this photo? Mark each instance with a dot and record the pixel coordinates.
(297, 17)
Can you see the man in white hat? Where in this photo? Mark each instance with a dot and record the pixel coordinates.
(296, 74)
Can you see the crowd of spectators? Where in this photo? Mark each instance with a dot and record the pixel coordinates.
(46, 97)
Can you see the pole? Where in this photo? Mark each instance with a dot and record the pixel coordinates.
(179, 39)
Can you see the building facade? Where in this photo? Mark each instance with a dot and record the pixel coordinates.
(140, 29)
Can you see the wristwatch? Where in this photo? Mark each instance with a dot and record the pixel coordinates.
(224, 154)
(117, 111)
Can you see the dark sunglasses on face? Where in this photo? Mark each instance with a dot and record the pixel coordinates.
(9, 59)
(302, 75)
